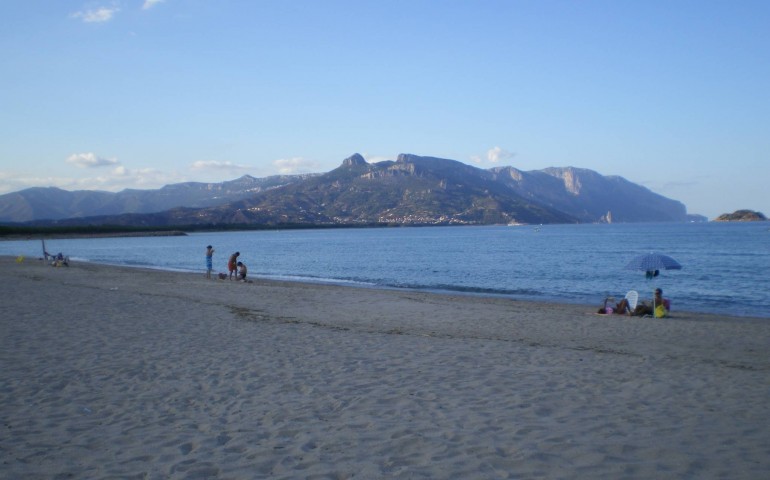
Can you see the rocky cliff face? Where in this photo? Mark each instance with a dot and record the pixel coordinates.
(589, 196)
(354, 160)
(569, 177)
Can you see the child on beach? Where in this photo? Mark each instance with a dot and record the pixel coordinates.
(241, 271)
(209, 261)
(232, 265)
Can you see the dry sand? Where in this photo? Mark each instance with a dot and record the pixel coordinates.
(125, 373)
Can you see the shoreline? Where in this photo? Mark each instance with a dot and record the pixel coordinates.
(592, 308)
(724, 288)
(122, 371)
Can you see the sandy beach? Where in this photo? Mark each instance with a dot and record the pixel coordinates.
(124, 373)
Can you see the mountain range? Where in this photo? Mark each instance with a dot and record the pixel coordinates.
(412, 190)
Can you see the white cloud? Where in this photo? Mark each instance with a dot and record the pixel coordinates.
(497, 155)
(90, 160)
(150, 178)
(108, 174)
(120, 178)
(494, 156)
(150, 3)
(289, 166)
(96, 15)
(377, 158)
(217, 165)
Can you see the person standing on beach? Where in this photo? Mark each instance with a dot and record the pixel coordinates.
(232, 264)
(209, 261)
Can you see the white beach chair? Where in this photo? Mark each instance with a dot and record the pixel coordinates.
(632, 297)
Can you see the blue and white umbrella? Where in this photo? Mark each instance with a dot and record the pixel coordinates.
(653, 262)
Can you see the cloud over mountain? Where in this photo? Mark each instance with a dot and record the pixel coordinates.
(90, 160)
(217, 165)
(493, 156)
(289, 166)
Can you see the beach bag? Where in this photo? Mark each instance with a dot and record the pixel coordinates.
(660, 311)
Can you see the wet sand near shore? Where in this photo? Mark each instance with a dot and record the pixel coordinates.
(112, 372)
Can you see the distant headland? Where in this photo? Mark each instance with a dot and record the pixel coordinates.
(741, 216)
(93, 231)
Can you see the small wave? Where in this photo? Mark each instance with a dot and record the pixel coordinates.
(524, 292)
(317, 279)
(361, 282)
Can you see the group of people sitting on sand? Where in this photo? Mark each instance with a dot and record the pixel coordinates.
(658, 308)
(58, 260)
(235, 268)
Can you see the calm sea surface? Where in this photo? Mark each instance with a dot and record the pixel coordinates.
(726, 267)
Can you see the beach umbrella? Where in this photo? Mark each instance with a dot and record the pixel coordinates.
(652, 264)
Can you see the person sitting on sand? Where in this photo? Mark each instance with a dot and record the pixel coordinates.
(241, 271)
(60, 260)
(660, 310)
(232, 265)
(619, 308)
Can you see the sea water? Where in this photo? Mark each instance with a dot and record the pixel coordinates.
(726, 266)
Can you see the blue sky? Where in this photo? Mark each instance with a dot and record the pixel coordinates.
(673, 95)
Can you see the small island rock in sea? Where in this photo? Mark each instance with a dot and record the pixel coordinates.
(741, 216)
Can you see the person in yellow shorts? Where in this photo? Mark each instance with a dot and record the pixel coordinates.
(661, 306)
